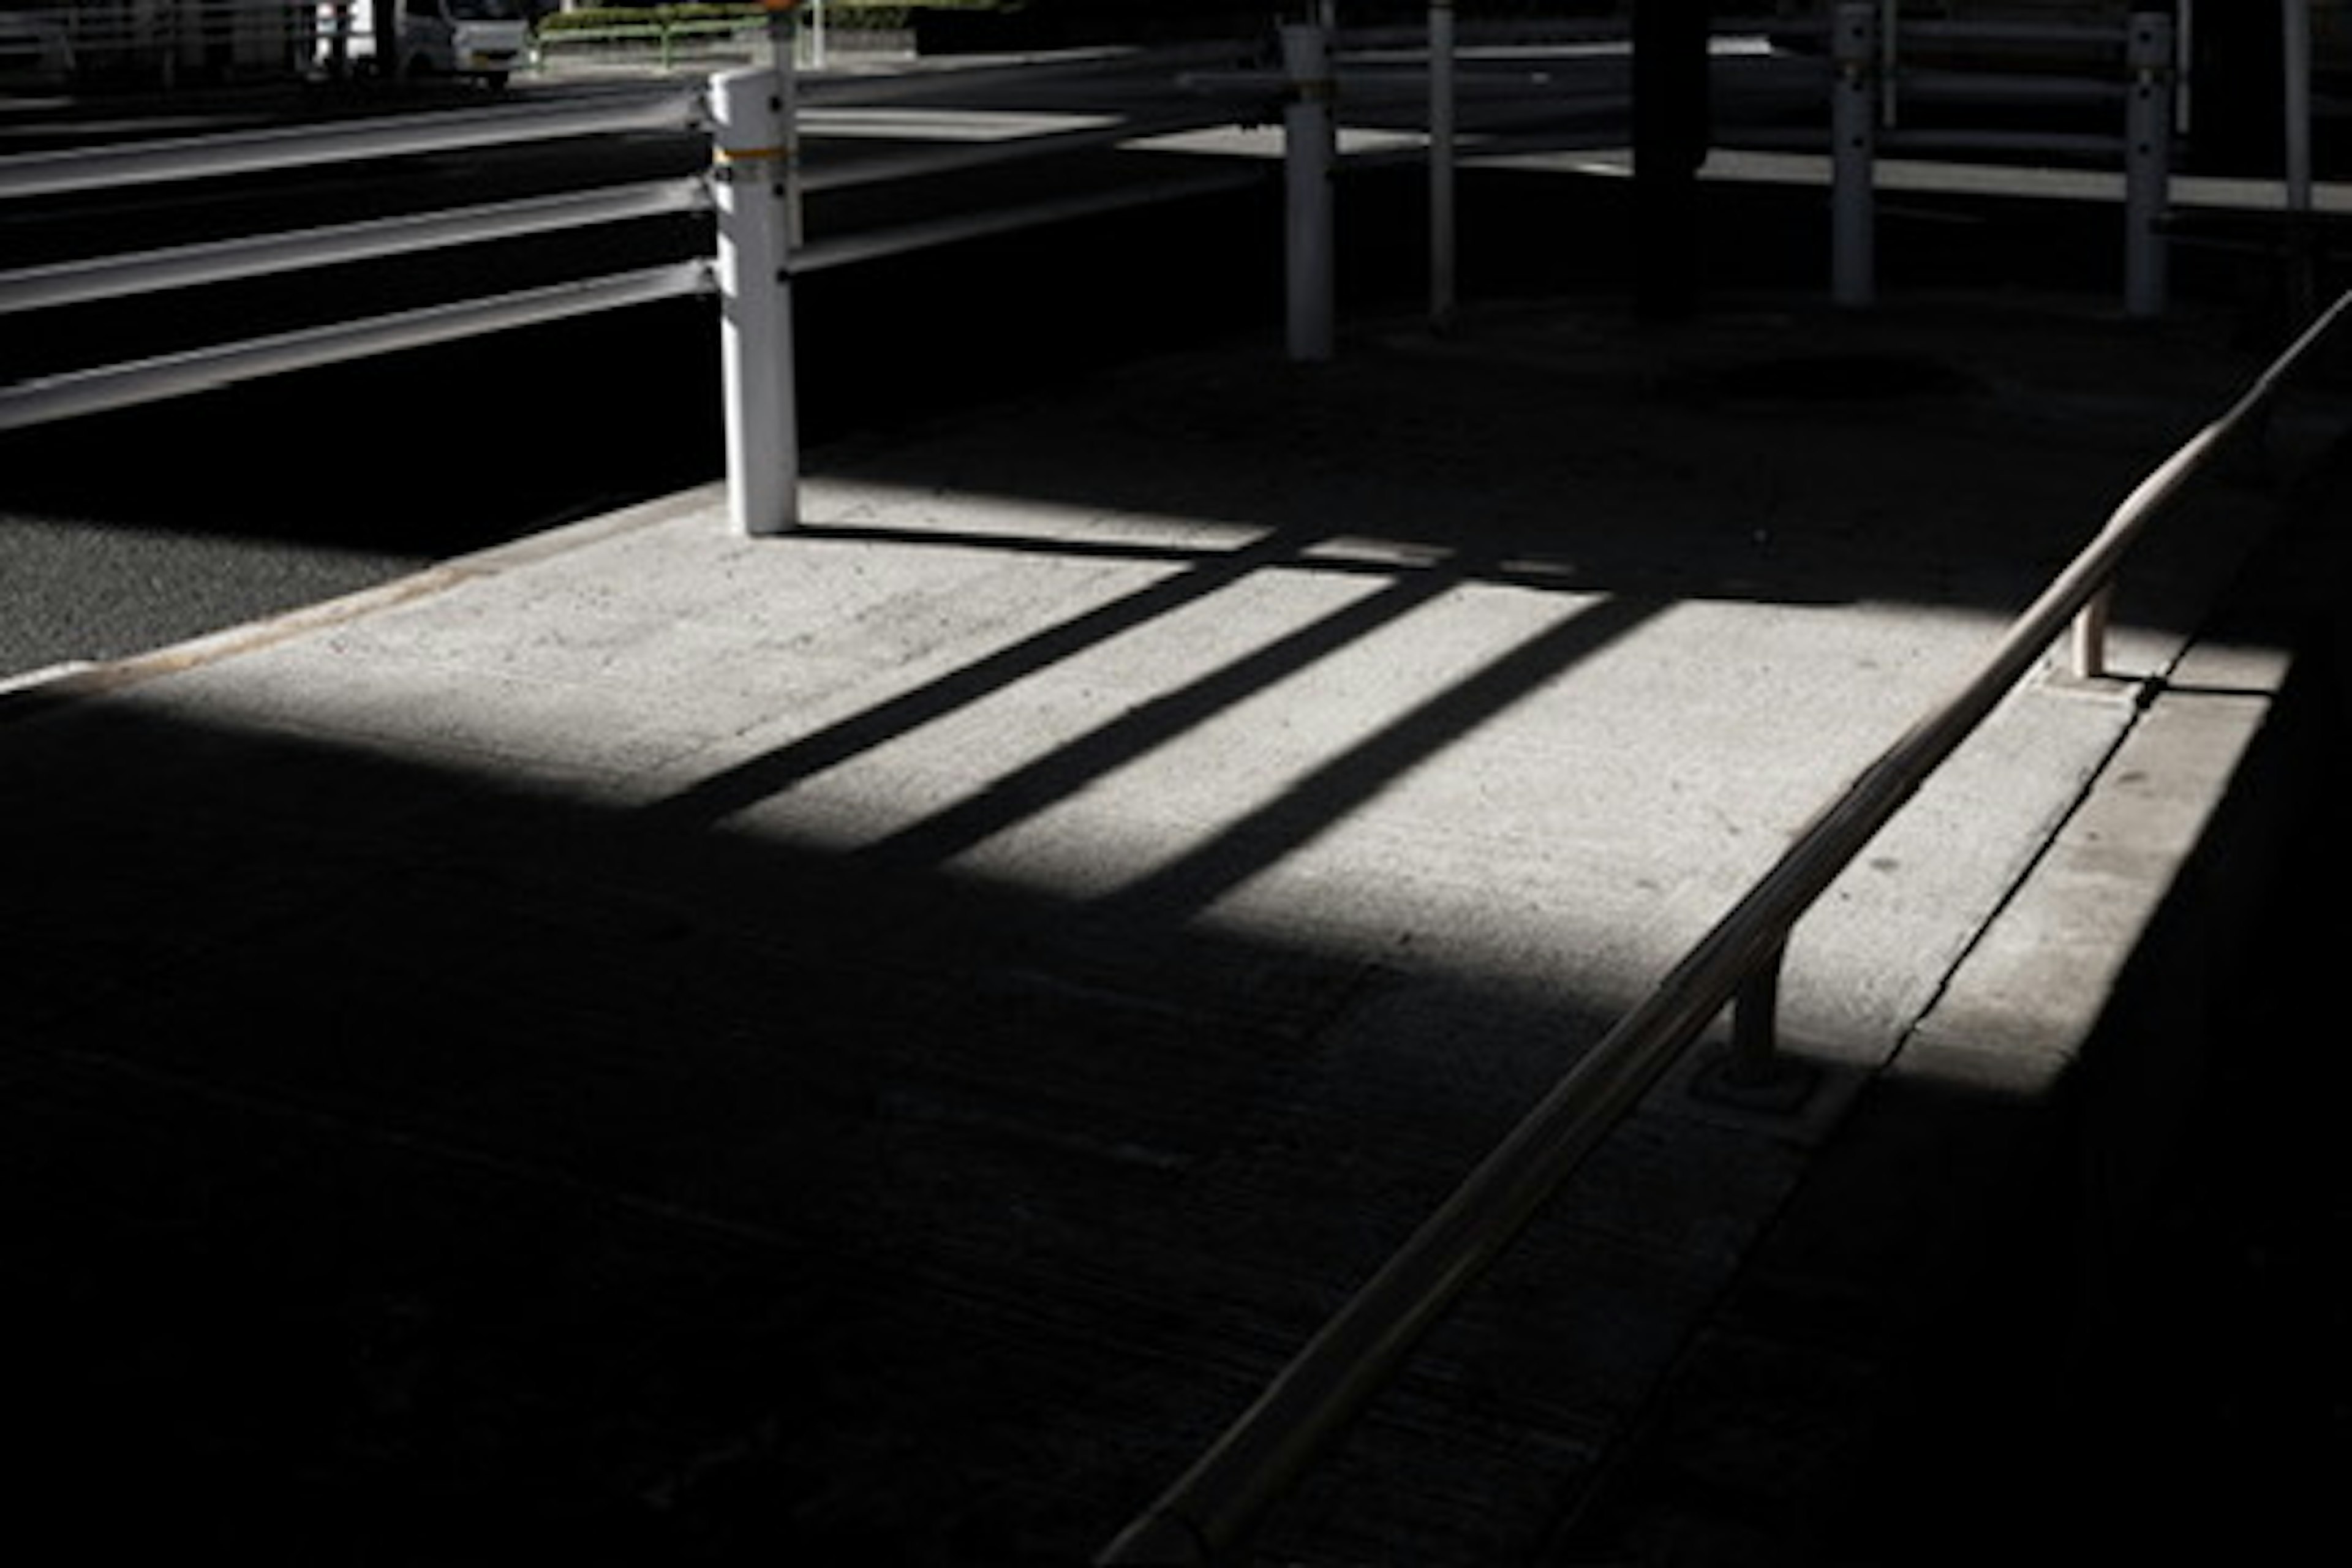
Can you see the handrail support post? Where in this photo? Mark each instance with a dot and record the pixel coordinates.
(1752, 1074)
(2086, 639)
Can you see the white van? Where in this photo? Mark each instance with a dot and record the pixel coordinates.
(486, 39)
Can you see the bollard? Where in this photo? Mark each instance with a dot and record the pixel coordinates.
(1852, 147)
(2147, 166)
(751, 151)
(1310, 149)
(1441, 162)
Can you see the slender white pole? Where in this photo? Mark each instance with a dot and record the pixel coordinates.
(752, 134)
(1441, 162)
(2295, 23)
(2302, 271)
(1853, 145)
(2184, 42)
(1310, 149)
(1890, 33)
(783, 53)
(2147, 161)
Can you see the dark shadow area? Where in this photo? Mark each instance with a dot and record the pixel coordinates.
(2107, 1327)
(2210, 1211)
(407, 1169)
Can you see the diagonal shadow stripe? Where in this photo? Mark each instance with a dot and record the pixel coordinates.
(1335, 790)
(1067, 769)
(749, 782)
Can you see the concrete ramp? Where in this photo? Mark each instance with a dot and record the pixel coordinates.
(872, 1045)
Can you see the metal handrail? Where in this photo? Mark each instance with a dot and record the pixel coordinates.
(85, 280)
(74, 394)
(1214, 1504)
(383, 136)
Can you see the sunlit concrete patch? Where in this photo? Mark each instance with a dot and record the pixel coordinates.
(2025, 1003)
(1364, 741)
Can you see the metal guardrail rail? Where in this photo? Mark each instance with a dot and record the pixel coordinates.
(279, 148)
(752, 189)
(684, 108)
(81, 391)
(1214, 1505)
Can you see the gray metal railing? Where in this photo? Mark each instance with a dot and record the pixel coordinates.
(1216, 1504)
(509, 123)
(76, 392)
(752, 189)
(1867, 76)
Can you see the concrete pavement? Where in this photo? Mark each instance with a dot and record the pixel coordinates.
(658, 1047)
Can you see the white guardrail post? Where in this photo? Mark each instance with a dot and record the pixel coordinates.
(751, 151)
(2294, 93)
(1310, 151)
(1441, 117)
(1853, 134)
(2147, 161)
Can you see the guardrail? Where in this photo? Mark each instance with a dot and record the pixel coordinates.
(1866, 76)
(1321, 67)
(1210, 1511)
(744, 113)
(752, 189)
(82, 391)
